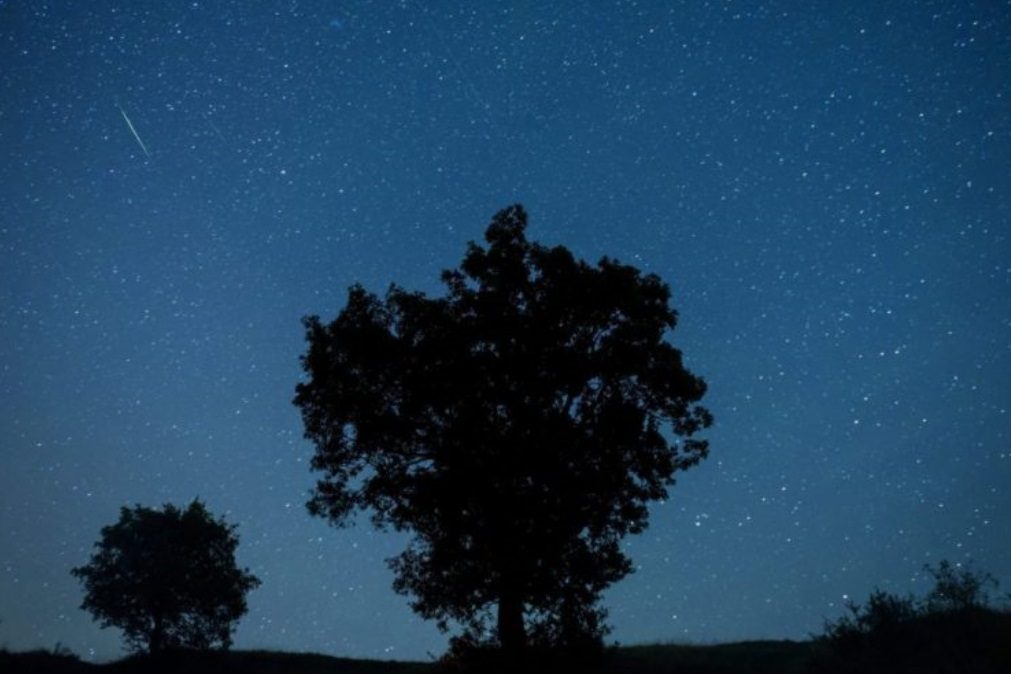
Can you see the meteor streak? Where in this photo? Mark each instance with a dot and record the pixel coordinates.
(134, 132)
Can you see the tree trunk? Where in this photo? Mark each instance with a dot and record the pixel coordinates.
(156, 642)
(511, 632)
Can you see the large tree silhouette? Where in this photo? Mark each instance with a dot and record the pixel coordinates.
(518, 427)
(167, 578)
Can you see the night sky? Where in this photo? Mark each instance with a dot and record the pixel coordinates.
(826, 189)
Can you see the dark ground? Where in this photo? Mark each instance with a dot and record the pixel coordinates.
(753, 657)
(747, 657)
(973, 642)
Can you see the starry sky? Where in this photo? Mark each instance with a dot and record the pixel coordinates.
(826, 186)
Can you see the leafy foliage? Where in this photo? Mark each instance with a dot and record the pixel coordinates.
(167, 578)
(958, 589)
(954, 628)
(518, 426)
(878, 620)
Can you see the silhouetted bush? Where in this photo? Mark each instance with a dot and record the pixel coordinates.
(953, 629)
(958, 589)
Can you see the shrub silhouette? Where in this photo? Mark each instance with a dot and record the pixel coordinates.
(958, 590)
(955, 628)
(167, 578)
(518, 427)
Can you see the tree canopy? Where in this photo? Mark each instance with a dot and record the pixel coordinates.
(518, 427)
(167, 578)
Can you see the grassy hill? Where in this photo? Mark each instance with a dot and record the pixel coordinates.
(746, 657)
(754, 657)
(247, 662)
(976, 641)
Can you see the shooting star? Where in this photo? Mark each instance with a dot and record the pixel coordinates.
(215, 127)
(134, 132)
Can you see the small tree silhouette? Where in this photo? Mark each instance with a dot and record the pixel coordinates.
(167, 578)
